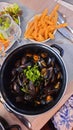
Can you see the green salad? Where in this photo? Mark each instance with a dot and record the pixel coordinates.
(14, 11)
(4, 22)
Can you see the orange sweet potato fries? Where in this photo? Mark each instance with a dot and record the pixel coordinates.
(42, 26)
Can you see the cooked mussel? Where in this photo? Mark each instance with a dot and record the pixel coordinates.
(15, 88)
(37, 76)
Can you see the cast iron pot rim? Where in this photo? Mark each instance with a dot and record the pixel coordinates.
(12, 107)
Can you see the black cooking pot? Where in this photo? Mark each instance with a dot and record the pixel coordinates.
(5, 78)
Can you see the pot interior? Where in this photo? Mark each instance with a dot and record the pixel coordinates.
(28, 108)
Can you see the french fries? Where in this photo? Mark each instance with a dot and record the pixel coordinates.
(43, 26)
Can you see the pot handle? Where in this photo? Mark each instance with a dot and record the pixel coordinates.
(16, 126)
(25, 121)
(59, 49)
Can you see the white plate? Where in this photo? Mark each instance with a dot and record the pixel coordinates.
(35, 40)
(3, 5)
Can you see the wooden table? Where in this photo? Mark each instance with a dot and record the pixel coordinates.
(39, 121)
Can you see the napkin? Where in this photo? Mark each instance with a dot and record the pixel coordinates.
(63, 119)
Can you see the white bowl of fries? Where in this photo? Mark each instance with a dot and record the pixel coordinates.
(37, 36)
(42, 27)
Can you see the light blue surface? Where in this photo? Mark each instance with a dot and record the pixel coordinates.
(69, 1)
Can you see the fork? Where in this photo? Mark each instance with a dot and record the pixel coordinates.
(62, 19)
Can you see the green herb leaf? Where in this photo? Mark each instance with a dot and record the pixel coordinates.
(24, 89)
(32, 73)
